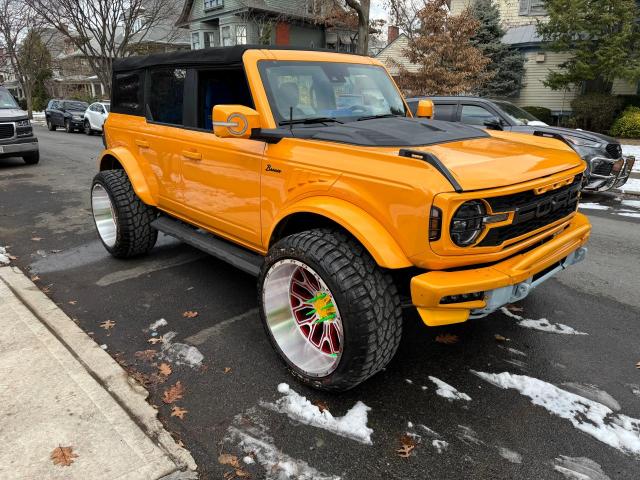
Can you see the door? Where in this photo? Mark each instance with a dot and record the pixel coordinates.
(475, 115)
(56, 114)
(98, 116)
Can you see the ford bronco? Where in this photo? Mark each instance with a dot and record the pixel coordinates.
(307, 169)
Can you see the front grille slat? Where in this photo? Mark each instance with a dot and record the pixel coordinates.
(533, 211)
(614, 150)
(6, 130)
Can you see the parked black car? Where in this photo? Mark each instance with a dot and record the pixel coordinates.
(606, 166)
(16, 133)
(65, 113)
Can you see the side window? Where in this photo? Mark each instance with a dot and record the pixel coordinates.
(475, 115)
(445, 112)
(128, 88)
(166, 94)
(220, 87)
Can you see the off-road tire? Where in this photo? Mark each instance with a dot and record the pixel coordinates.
(365, 294)
(135, 235)
(87, 128)
(50, 125)
(31, 158)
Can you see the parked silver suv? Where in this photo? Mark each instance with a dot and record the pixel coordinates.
(16, 134)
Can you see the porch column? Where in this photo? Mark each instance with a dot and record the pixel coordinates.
(93, 90)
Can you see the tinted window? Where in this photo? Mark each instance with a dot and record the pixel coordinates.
(128, 93)
(75, 105)
(107, 107)
(445, 112)
(475, 115)
(220, 87)
(166, 93)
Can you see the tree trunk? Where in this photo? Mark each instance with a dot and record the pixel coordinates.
(363, 28)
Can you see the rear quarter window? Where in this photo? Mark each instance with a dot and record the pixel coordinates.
(128, 92)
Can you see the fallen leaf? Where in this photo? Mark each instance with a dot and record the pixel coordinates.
(447, 338)
(322, 406)
(35, 278)
(146, 355)
(36, 239)
(405, 451)
(638, 365)
(12, 257)
(72, 302)
(227, 370)
(108, 324)
(139, 377)
(154, 340)
(164, 369)
(63, 456)
(176, 411)
(228, 459)
(190, 314)
(241, 473)
(47, 289)
(515, 308)
(500, 338)
(173, 393)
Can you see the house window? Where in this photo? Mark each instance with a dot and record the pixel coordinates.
(210, 39)
(195, 41)
(225, 33)
(211, 4)
(241, 34)
(532, 8)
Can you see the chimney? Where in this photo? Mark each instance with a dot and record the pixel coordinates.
(393, 32)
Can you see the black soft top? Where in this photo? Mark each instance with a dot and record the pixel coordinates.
(204, 56)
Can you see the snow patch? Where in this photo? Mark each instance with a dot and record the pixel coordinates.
(516, 352)
(409, 425)
(593, 206)
(632, 185)
(353, 425)
(635, 151)
(440, 445)
(157, 324)
(409, 381)
(635, 389)
(467, 434)
(510, 455)
(628, 214)
(427, 430)
(447, 391)
(631, 203)
(4, 258)
(591, 417)
(248, 460)
(277, 465)
(593, 393)
(180, 353)
(543, 324)
(579, 468)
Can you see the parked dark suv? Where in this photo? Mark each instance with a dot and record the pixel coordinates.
(65, 113)
(606, 167)
(16, 134)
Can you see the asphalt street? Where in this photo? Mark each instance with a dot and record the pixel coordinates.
(229, 392)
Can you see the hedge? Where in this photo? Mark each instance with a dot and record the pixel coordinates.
(627, 125)
(541, 113)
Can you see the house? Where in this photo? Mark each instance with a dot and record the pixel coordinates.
(520, 17)
(393, 55)
(301, 23)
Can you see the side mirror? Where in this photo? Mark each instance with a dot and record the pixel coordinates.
(493, 123)
(234, 121)
(425, 109)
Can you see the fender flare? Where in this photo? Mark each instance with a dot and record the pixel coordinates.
(367, 230)
(134, 172)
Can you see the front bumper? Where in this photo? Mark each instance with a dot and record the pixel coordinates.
(17, 147)
(617, 178)
(501, 283)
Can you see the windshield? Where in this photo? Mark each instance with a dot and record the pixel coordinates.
(76, 105)
(7, 100)
(326, 91)
(516, 114)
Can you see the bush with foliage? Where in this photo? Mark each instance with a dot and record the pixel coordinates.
(628, 124)
(541, 113)
(595, 111)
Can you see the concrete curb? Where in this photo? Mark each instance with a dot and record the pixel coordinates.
(106, 371)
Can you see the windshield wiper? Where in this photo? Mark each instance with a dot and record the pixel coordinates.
(371, 117)
(307, 121)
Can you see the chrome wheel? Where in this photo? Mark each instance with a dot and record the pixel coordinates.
(103, 215)
(303, 317)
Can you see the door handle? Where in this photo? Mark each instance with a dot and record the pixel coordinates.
(191, 155)
(142, 143)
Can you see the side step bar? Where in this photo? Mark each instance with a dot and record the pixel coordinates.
(239, 257)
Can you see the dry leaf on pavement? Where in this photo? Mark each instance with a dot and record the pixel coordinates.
(154, 340)
(227, 370)
(72, 302)
(35, 278)
(405, 451)
(638, 365)
(190, 314)
(146, 355)
(108, 324)
(36, 239)
(500, 338)
(322, 406)
(228, 459)
(241, 473)
(164, 369)
(447, 338)
(179, 412)
(63, 456)
(173, 393)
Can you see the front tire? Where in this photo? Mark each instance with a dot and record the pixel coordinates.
(50, 125)
(67, 126)
(330, 312)
(31, 158)
(87, 128)
(123, 221)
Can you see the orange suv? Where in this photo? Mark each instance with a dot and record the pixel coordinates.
(306, 169)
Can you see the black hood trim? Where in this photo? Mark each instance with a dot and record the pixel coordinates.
(15, 118)
(584, 134)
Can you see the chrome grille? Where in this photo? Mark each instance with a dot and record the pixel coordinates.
(6, 130)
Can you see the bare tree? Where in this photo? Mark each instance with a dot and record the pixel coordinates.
(22, 46)
(362, 9)
(103, 30)
(405, 14)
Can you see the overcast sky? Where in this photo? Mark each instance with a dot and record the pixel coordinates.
(377, 10)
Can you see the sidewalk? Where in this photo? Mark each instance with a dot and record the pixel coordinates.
(60, 389)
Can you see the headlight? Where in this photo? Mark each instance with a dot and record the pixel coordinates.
(23, 123)
(467, 223)
(581, 142)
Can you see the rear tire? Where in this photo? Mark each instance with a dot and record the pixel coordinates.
(366, 300)
(123, 221)
(87, 128)
(31, 158)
